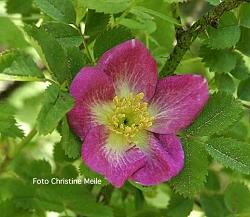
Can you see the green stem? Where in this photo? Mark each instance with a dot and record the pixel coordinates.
(185, 38)
(26, 140)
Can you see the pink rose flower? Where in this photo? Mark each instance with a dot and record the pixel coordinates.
(127, 119)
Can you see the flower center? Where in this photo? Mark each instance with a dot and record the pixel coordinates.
(129, 115)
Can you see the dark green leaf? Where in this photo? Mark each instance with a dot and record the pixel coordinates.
(95, 24)
(221, 111)
(50, 51)
(65, 34)
(225, 83)
(244, 15)
(179, 206)
(218, 60)
(56, 104)
(193, 176)
(243, 44)
(214, 206)
(241, 71)
(8, 125)
(213, 182)
(19, 6)
(16, 65)
(60, 10)
(231, 153)
(109, 39)
(226, 35)
(244, 90)
(71, 144)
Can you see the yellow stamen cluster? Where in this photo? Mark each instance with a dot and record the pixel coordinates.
(129, 115)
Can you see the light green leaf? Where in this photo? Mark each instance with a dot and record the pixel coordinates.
(193, 176)
(226, 35)
(231, 153)
(80, 9)
(65, 34)
(10, 35)
(219, 60)
(179, 206)
(56, 104)
(60, 10)
(109, 39)
(244, 15)
(18, 66)
(71, 144)
(237, 198)
(221, 111)
(244, 90)
(50, 51)
(108, 6)
(8, 125)
(243, 44)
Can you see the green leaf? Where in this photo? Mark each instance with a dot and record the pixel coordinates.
(80, 10)
(214, 206)
(71, 144)
(19, 6)
(8, 208)
(221, 111)
(157, 14)
(218, 60)
(244, 15)
(237, 198)
(18, 66)
(50, 51)
(214, 2)
(244, 90)
(179, 206)
(213, 182)
(193, 176)
(231, 153)
(95, 24)
(56, 104)
(10, 35)
(8, 125)
(108, 6)
(109, 39)
(60, 10)
(76, 60)
(243, 44)
(226, 35)
(241, 71)
(65, 34)
(59, 154)
(88, 173)
(225, 83)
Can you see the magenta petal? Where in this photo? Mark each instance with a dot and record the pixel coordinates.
(131, 62)
(90, 85)
(178, 99)
(115, 168)
(164, 161)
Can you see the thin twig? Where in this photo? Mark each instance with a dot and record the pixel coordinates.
(185, 38)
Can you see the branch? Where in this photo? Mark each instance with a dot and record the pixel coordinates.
(186, 37)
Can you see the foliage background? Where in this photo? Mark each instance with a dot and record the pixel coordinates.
(44, 43)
